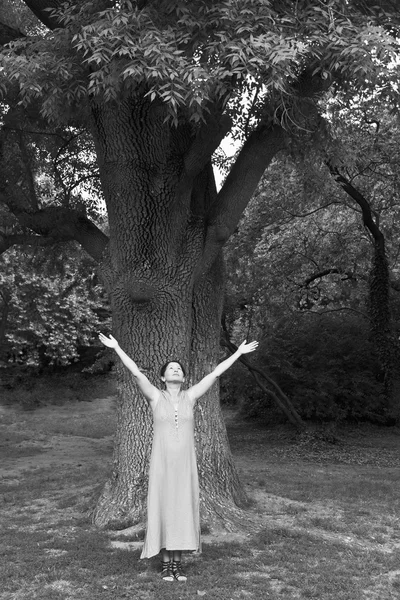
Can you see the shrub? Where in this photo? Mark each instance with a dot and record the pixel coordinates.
(325, 364)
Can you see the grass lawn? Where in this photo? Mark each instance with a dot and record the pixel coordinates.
(328, 515)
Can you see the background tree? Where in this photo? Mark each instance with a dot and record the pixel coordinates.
(159, 84)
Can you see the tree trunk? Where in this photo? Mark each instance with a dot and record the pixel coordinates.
(379, 287)
(379, 309)
(5, 297)
(221, 491)
(156, 242)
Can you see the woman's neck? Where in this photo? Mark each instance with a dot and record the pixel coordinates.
(173, 389)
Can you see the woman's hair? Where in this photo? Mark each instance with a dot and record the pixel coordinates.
(164, 367)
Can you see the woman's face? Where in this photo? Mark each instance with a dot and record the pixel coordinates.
(174, 373)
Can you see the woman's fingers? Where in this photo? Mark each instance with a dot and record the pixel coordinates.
(252, 346)
(248, 347)
(105, 340)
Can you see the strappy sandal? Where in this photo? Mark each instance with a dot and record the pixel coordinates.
(177, 571)
(166, 573)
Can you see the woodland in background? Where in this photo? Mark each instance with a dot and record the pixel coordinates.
(304, 278)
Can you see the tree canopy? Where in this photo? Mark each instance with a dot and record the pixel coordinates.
(196, 56)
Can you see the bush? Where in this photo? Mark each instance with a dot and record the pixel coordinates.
(325, 364)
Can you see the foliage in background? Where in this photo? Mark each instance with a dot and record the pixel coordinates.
(325, 365)
(299, 268)
(54, 306)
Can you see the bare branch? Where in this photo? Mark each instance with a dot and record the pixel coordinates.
(311, 212)
(325, 272)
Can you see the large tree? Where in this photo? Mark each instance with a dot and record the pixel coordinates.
(159, 85)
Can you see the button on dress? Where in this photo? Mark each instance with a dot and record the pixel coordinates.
(173, 520)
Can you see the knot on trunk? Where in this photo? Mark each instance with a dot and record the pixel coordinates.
(140, 291)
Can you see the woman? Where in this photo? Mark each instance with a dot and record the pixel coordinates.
(173, 522)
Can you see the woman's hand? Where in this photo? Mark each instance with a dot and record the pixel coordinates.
(245, 348)
(110, 342)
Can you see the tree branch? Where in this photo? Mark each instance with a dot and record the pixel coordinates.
(94, 175)
(40, 10)
(325, 272)
(254, 157)
(311, 212)
(205, 143)
(7, 241)
(60, 224)
(8, 34)
(363, 203)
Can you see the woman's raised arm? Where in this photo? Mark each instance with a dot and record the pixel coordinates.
(149, 391)
(199, 389)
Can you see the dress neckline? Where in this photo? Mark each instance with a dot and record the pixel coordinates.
(173, 400)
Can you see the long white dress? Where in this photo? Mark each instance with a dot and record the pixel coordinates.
(173, 520)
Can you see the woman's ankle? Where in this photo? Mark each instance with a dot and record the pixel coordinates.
(166, 555)
(176, 555)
